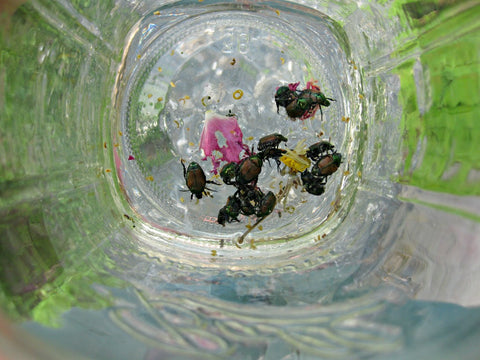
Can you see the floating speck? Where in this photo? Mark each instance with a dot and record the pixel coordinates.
(159, 99)
(360, 96)
(105, 144)
(172, 53)
(184, 99)
(159, 69)
(182, 200)
(205, 100)
(149, 178)
(278, 12)
(191, 143)
(149, 96)
(214, 252)
(156, 13)
(108, 170)
(172, 84)
(290, 209)
(237, 94)
(120, 133)
(233, 62)
(282, 60)
(130, 157)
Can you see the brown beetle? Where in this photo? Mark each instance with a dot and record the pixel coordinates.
(270, 141)
(196, 180)
(327, 165)
(248, 170)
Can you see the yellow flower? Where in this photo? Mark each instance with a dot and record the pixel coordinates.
(295, 159)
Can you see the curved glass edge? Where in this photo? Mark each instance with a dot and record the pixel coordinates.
(59, 176)
(439, 73)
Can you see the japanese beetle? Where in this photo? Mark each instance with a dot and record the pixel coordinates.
(327, 165)
(318, 100)
(316, 96)
(298, 107)
(223, 216)
(272, 153)
(248, 170)
(228, 173)
(249, 198)
(270, 141)
(314, 151)
(230, 211)
(312, 184)
(195, 179)
(266, 205)
(284, 96)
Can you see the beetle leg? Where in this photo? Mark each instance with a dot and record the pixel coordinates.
(212, 182)
(184, 169)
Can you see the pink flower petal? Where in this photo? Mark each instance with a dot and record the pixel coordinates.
(293, 86)
(310, 113)
(232, 135)
(311, 85)
(130, 157)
